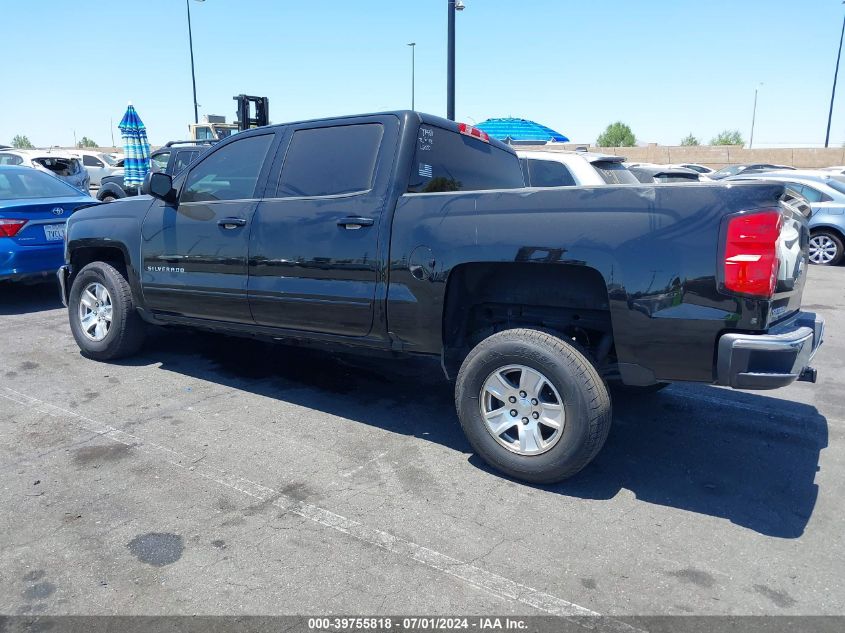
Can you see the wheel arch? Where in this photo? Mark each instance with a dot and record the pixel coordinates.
(482, 298)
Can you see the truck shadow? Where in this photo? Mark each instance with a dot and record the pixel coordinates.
(23, 298)
(747, 458)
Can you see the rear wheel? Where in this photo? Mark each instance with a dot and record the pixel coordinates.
(102, 313)
(532, 405)
(826, 248)
(109, 198)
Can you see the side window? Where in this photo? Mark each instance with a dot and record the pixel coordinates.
(91, 161)
(230, 173)
(547, 173)
(10, 159)
(331, 160)
(448, 161)
(810, 194)
(159, 161)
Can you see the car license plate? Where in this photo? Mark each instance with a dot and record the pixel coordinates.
(54, 232)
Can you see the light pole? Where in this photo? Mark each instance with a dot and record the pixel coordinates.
(413, 46)
(835, 75)
(191, 46)
(754, 115)
(452, 5)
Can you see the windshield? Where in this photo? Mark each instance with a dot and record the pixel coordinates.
(107, 159)
(19, 185)
(726, 171)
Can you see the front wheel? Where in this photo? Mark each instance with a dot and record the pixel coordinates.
(826, 248)
(102, 313)
(532, 405)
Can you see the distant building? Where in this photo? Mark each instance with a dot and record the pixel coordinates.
(521, 132)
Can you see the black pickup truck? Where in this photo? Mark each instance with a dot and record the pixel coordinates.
(403, 233)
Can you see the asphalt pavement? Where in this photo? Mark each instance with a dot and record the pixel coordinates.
(215, 475)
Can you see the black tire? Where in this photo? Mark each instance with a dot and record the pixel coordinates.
(620, 387)
(108, 198)
(126, 333)
(586, 403)
(836, 240)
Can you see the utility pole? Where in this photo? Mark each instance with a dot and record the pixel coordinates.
(413, 46)
(754, 116)
(835, 75)
(452, 6)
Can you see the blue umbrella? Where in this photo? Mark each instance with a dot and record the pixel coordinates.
(136, 148)
(513, 129)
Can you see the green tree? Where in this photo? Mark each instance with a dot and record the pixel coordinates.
(690, 141)
(617, 135)
(86, 142)
(728, 137)
(21, 141)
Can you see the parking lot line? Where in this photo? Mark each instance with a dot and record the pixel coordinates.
(488, 581)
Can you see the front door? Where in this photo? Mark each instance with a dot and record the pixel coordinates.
(195, 252)
(315, 251)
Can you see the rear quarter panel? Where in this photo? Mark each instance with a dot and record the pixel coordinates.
(655, 246)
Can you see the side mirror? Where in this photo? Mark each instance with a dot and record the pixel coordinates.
(160, 185)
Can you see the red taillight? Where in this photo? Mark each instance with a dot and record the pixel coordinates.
(10, 228)
(751, 262)
(474, 132)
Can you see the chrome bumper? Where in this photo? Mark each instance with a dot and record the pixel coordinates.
(771, 360)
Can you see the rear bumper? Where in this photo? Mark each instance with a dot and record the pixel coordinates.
(771, 360)
(27, 262)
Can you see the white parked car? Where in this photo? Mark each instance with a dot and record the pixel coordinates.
(60, 164)
(98, 165)
(572, 168)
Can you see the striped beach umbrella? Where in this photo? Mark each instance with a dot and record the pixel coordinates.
(136, 148)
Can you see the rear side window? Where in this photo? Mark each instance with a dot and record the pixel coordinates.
(448, 161)
(615, 173)
(330, 161)
(90, 161)
(230, 173)
(810, 194)
(548, 173)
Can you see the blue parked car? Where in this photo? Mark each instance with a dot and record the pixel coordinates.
(34, 207)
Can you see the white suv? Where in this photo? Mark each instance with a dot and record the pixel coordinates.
(98, 165)
(559, 169)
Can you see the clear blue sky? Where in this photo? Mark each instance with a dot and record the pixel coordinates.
(665, 67)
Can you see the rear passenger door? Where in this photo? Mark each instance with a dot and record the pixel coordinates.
(315, 251)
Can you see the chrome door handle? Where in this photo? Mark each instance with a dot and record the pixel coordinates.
(354, 223)
(231, 223)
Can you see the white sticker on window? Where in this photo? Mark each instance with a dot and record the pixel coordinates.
(426, 139)
(425, 170)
